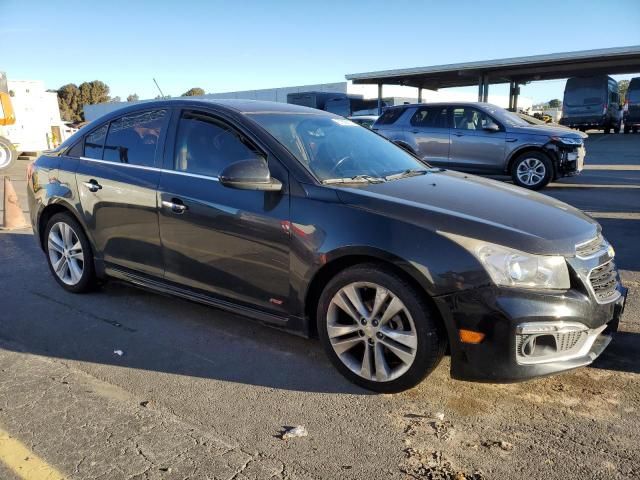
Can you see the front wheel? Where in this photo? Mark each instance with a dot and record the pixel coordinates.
(532, 170)
(377, 329)
(69, 254)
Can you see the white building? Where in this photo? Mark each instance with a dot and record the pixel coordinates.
(38, 124)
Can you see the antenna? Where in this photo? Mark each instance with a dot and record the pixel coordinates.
(159, 89)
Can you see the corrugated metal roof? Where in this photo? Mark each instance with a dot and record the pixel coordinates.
(555, 65)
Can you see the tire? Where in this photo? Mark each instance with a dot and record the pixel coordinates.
(634, 129)
(417, 322)
(8, 154)
(627, 129)
(616, 129)
(607, 129)
(541, 168)
(79, 274)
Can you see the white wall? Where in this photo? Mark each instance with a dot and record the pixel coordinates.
(36, 112)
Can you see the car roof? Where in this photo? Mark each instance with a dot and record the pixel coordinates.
(239, 105)
(445, 104)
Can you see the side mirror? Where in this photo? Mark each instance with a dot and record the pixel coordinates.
(251, 174)
(491, 127)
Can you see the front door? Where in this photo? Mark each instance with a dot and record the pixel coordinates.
(231, 243)
(473, 148)
(117, 180)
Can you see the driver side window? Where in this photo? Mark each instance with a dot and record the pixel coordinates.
(206, 145)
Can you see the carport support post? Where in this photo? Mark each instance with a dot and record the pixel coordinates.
(379, 99)
(485, 89)
(480, 87)
(419, 94)
(511, 89)
(516, 90)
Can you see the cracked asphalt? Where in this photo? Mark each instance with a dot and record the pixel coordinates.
(200, 393)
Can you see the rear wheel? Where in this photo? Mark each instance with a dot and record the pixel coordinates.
(532, 170)
(8, 153)
(377, 329)
(69, 254)
(635, 129)
(627, 129)
(616, 129)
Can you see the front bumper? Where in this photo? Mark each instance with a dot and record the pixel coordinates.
(587, 121)
(499, 313)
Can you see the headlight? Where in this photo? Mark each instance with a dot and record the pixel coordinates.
(568, 140)
(513, 268)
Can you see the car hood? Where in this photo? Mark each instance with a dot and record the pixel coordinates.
(496, 212)
(549, 131)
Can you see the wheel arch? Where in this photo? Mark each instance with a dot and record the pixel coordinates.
(527, 149)
(51, 210)
(339, 261)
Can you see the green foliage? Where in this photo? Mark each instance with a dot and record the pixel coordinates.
(623, 86)
(133, 97)
(71, 98)
(193, 92)
(555, 103)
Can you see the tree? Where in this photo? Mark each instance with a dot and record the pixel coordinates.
(555, 103)
(193, 92)
(69, 102)
(133, 97)
(115, 99)
(623, 86)
(72, 99)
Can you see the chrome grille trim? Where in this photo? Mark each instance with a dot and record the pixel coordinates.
(592, 248)
(603, 282)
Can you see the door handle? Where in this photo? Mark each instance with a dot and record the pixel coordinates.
(510, 139)
(92, 185)
(415, 131)
(175, 205)
(458, 134)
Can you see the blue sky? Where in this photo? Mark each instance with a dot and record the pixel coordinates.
(237, 45)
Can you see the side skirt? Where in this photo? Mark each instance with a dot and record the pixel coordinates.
(174, 290)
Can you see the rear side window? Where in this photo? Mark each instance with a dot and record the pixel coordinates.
(389, 116)
(94, 142)
(433, 117)
(133, 138)
(205, 145)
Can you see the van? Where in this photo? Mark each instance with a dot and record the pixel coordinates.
(591, 103)
(632, 107)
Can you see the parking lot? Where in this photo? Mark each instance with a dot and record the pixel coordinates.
(123, 383)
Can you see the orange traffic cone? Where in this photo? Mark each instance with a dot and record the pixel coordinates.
(13, 216)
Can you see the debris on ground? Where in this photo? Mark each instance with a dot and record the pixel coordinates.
(145, 403)
(443, 430)
(506, 446)
(118, 352)
(433, 466)
(294, 432)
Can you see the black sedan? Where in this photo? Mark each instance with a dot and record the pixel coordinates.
(303, 220)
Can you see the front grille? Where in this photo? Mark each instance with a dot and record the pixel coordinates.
(603, 280)
(585, 250)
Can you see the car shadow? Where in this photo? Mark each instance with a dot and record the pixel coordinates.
(622, 354)
(153, 332)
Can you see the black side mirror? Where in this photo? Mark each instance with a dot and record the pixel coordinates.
(251, 174)
(491, 127)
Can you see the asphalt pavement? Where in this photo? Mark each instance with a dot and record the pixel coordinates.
(201, 393)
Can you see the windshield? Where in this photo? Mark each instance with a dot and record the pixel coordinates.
(333, 147)
(584, 91)
(505, 116)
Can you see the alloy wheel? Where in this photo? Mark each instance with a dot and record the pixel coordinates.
(531, 171)
(371, 331)
(65, 253)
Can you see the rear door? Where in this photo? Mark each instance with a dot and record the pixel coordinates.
(227, 242)
(473, 148)
(430, 134)
(117, 179)
(633, 101)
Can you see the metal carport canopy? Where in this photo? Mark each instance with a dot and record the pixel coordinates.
(609, 61)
